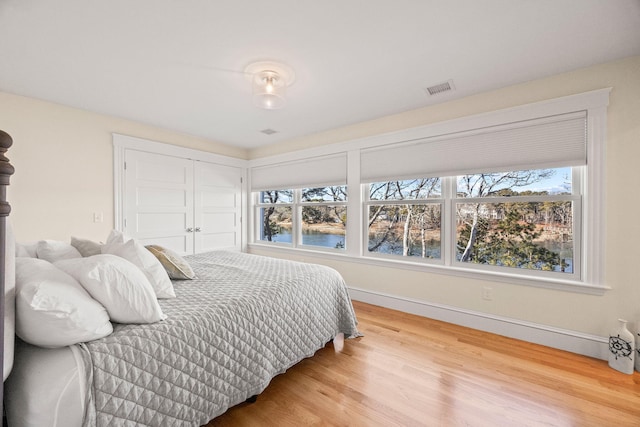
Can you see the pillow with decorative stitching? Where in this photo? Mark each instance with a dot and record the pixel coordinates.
(177, 267)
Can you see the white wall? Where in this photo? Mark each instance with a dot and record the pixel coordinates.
(64, 166)
(574, 313)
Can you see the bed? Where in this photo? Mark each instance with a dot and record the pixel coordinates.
(213, 340)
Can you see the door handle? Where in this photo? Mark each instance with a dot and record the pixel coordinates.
(198, 229)
(189, 230)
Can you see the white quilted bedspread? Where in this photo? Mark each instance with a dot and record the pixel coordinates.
(245, 319)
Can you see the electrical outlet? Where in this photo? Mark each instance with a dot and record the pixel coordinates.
(487, 293)
(98, 217)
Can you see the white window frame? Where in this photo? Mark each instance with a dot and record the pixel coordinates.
(592, 178)
(575, 197)
(448, 239)
(296, 223)
(368, 202)
(258, 205)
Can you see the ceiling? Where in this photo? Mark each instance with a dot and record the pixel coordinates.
(178, 64)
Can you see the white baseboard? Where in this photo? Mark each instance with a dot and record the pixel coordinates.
(563, 339)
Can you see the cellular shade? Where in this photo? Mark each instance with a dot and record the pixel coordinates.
(309, 173)
(548, 142)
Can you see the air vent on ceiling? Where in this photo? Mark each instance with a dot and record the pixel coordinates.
(440, 88)
(269, 131)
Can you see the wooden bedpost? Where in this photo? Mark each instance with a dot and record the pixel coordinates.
(6, 170)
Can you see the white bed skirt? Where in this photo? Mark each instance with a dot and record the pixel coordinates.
(46, 387)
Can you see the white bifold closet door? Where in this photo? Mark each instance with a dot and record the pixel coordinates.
(217, 206)
(186, 205)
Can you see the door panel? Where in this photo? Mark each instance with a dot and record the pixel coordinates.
(225, 198)
(150, 196)
(159, 222)
(218, 192)
(159, 200)
(217, 222)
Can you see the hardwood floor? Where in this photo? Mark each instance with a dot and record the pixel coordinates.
(412, 371)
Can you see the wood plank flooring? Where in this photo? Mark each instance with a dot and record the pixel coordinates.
(412, 371)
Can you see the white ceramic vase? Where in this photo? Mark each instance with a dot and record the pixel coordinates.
(637, 347)
(622, 348)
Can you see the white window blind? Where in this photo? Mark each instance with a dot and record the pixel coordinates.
(533, 144)
(308, 173)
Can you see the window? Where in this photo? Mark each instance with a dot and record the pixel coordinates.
(321, 213)
(518, 219)
(324, 216)
(404, 218)
(517, 194)
(275, 215)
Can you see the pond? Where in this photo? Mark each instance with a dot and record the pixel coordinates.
(329, 240)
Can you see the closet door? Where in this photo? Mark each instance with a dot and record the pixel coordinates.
(217, 208)
(158, 202)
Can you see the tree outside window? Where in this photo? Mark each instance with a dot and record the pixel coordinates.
(404, 218)
(516, 219)
(324, 216)
(275, 213)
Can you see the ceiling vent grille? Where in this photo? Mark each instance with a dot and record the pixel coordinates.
(269, 131)
(440, 88)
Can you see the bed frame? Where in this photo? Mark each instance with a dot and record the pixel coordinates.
(6, 170)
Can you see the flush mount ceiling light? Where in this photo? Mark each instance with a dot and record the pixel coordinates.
(269, 81)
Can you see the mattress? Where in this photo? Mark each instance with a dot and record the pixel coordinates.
(242, 321)
(46, 387)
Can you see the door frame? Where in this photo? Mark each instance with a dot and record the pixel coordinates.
(121, 143)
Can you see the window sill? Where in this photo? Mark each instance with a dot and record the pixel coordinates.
(546, 283)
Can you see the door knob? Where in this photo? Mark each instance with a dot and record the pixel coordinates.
(189, 230)
(198, 229)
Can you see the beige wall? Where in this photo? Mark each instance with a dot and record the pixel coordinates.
(64, 166)
(579, 312)
(63, 160)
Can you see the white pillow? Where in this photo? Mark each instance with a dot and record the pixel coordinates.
(54, 250)
(134, 252)
(118, 285)
(26, 249)
(116, 237)
(52, 309)
(86, 247)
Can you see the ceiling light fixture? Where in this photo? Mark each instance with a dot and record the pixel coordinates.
(269, 81)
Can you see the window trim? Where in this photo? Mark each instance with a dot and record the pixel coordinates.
(593, 180)
(296, 206)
